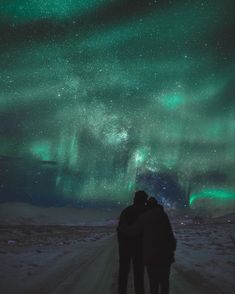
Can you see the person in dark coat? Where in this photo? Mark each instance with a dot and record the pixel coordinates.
(159, 245)
(131, 246)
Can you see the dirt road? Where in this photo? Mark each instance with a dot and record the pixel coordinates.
(91, 269)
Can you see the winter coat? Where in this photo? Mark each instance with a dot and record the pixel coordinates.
(158, 239)
(128, 217)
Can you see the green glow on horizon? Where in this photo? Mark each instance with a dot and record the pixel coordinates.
(212, 194)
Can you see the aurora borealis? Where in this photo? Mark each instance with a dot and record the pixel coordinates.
(98, 98)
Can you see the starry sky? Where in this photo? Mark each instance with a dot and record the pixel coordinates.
(99, 98)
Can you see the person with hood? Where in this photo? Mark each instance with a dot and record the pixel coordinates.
(131, 246)
(159, 245)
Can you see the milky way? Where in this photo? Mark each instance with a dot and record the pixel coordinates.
(99, 98)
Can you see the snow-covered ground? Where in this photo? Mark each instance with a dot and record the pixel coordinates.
(83, 259)
(206, 255)
(41, 249)
(50, 259)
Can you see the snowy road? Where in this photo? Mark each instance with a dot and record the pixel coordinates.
(84, 260)
(90, 270)
(94, 270)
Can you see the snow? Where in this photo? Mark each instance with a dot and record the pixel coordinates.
(44, 257)
(60, 258)
(206, 253)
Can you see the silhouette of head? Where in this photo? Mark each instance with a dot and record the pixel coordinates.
(140, 198)
(152, 202)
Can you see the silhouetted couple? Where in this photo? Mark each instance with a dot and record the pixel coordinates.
(145, 239)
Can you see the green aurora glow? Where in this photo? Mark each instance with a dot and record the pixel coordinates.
(105, 90)
(213, 195)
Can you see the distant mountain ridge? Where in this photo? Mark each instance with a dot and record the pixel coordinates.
(23, 213)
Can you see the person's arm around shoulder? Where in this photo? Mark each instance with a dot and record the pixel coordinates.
(132, 230)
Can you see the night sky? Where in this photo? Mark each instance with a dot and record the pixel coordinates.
(99, 98)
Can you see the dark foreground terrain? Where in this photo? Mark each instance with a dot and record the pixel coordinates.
(84, 259)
